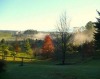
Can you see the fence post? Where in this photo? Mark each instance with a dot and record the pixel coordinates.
(22, 61)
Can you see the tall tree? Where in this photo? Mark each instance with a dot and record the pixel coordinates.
(63, 32)
(48, 46)
(97, 35)
(88, 47)
(84, 37)
(4, 48)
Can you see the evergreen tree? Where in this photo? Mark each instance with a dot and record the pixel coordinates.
(97, 35)
(28, 49)
(4, 48)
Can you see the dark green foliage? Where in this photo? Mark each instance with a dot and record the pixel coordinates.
(2, 65)
(4, 48)
(28, 49)
(2, 41)
(58, 54)
(30, 31)
(97, 35)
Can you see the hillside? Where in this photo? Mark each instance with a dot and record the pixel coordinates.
(10, 35)
(5, 35)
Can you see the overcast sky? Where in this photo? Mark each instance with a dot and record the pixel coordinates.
(43, 15)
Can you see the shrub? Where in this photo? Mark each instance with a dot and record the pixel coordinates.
(2, 65)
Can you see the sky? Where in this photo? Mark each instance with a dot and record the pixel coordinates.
(43, 15)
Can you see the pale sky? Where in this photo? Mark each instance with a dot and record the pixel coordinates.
(42, 15)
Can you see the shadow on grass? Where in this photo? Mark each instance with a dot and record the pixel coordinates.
(5, 75)
(81, 61)
(58, 75)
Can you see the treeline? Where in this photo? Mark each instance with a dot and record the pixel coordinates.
(81, 44)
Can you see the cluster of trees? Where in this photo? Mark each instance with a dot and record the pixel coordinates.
(85, 41)
(30, 31)
(31, 47)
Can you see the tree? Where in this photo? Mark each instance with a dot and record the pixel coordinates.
(88, 49)
(84, 37)
(16, 45)
(28, 49)
(97, 35)
(63, 34)
(17, 48)
(48, 47)
(4, 48)
(30, 31)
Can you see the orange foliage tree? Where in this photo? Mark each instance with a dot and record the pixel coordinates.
(48, 47)
(17, 48)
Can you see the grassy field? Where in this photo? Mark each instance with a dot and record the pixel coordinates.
(49, 70)
(4, 35)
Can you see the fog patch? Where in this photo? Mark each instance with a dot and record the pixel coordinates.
(82, 37)
(40, 36)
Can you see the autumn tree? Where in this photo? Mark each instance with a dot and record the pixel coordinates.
(17, 47)
(48, 47)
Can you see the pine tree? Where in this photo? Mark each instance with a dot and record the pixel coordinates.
(4, 48)
(97, 35)
(28, 49)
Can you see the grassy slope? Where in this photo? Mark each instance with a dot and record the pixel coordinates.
(5, 35)
(47, 70)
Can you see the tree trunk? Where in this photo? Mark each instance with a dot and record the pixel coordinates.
(63, 48)
(82, 53)
(13, 58)
(63, 58)
(21, 64)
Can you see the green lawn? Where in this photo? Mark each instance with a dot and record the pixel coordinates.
(48, 70)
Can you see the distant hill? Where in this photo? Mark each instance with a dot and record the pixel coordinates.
(11, 35)
(8, 31)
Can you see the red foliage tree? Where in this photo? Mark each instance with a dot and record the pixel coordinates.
(17, 48)
(48, 46)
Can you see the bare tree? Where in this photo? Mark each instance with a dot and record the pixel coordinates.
(63, 33)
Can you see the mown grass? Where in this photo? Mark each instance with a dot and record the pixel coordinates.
(49, 70)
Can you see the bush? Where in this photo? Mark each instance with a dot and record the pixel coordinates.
(2, 65)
